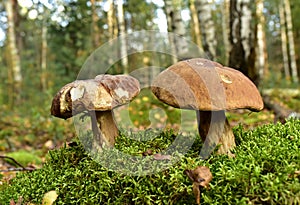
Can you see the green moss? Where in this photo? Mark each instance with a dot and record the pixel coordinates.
(263, 172)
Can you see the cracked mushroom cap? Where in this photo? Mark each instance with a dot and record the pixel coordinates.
(201, 84)
(105, 92)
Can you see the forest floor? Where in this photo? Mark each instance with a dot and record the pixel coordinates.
(28, 140)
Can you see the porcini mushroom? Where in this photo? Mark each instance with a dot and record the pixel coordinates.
(200, 176)
(210, 89)
(98, 97)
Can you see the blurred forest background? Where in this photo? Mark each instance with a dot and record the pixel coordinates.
(44, 43)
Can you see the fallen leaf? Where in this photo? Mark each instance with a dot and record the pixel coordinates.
(49, 198)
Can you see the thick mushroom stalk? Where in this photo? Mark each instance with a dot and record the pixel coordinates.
(97, 97)
(214, 130)
(208, 88)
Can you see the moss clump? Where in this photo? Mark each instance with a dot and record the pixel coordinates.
(264, 171)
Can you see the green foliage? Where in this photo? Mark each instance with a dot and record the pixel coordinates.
(264, 171)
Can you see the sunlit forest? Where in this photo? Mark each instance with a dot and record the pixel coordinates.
(47, 44)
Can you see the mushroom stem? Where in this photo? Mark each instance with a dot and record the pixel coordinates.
(197, 192)
(104, 128)
(215, 130)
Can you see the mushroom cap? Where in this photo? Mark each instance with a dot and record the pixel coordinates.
(201, 84)
(105, 92)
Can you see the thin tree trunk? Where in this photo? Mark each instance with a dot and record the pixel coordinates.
(122, 33)
(44, 57)
(111, 27)
(291, 41)
(15, 60)
(261, 40)
(207, 27)
(242, 39)
(110, 20)
(175, 24)
(284, 43)
(196, 26)
(95, 28)
(225, 28)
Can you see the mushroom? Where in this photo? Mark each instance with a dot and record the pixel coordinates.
(200, 176)
(210, 89)
(98, 97)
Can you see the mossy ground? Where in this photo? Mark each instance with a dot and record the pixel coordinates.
(264, 171)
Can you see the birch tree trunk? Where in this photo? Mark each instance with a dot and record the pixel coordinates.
(242, 39)
(225, 28)
(122, 33)
(284, 43)
(15, 60)
(195, 25)
(112, 33)
(95, 28)
(291, 44)
(207, 28)
(175, 24)
(44, 56)
(110, 20)
(261, 41)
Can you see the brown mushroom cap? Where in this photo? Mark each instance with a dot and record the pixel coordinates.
(201, 84)
(105, 92)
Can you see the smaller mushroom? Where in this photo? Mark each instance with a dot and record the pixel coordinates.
(98, 97)
(200, 176)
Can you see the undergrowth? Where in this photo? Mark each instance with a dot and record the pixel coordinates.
(264, 171)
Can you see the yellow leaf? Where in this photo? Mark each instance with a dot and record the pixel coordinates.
(49, 198)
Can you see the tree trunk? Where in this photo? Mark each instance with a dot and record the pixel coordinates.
(122, 36)
(261, 41)
(291, 41)
(110, 20)
(178, 43)
(15, 60)
(195, 25)
(242, 39)
(284, 43)
(207, 28)
(95, 28)
(225, 28)
(44, 57)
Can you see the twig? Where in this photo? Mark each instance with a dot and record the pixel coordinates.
(22, 168)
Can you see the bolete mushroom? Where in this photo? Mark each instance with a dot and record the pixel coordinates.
(210, 89)
(98, 97)
(200, 176)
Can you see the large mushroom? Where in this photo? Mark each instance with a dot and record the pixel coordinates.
(97, 97)
(210, 89)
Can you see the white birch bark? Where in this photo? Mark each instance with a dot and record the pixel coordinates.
(207, 27)
(122, 36)
(246, 26)
(242, 39)
(284, 43)
(14, 52)
(291, 44)
(261, 43)
(175, 25)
